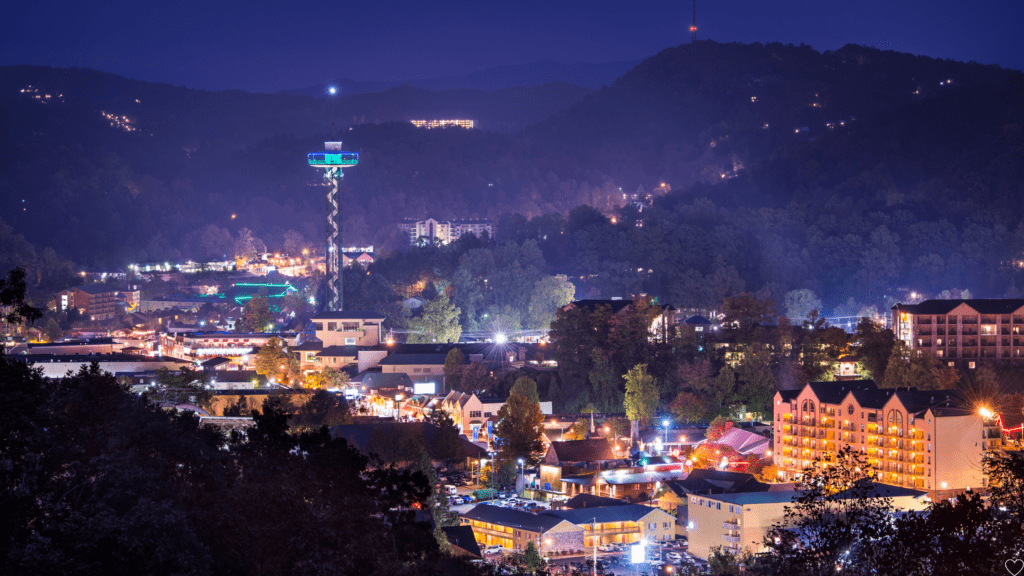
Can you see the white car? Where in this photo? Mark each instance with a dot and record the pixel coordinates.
(490, 550)
(673, 555)
(606, 548)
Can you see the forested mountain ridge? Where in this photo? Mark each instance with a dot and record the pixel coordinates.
(899, 177)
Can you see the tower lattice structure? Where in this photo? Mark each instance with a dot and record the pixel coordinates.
(332, 161)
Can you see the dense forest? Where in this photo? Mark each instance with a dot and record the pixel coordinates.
(858, 174)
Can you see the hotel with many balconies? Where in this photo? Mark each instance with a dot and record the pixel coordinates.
(963, 332)
(922, 439)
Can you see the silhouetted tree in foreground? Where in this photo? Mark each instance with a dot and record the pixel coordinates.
(95, 480)
(843, 523)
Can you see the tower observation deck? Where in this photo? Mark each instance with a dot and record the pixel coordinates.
(332, 160)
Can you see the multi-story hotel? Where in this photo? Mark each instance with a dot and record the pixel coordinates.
(445, 231)
(962, 331)
(926, 440)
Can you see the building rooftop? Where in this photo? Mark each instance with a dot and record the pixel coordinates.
(513, 518)
(338, 352)
(603, 514)
(349, 315)
(592, 501)
(413, 359)
(983, 306)
(593, 450)
(835, 392)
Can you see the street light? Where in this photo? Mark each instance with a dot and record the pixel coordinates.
(665, 424)
(521, 479)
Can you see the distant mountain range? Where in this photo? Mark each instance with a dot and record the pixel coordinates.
(586, 74)
(135, 170)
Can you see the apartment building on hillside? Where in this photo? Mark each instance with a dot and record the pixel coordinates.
(963, 332)
(921, 439)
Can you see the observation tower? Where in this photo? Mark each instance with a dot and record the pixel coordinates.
(332, 160)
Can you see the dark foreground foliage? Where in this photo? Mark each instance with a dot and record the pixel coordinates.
(95, 480)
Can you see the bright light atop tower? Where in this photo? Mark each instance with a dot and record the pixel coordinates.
(500, 338)
(986, 413)
(332, 90)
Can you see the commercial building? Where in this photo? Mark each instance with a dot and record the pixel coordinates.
(471, 413)
(348, 328)
(514, 529)
(740, 521)
(623, 524)
(444, 231)
(963, 332)
(204, 345)
(96, 301)
(922, 439)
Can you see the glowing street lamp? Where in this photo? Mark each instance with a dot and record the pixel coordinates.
(500, 338)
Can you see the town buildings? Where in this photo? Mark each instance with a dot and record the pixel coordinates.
(445, 123)
(96, 301)
(739, 521)
(444, 231)
(962, 332)
(922, 439)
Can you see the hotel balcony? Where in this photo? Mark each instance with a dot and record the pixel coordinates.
(730, 526)
(733, 539)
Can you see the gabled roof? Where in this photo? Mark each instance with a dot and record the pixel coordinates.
(513, 518)
(697, 319)
(835, 392)
(214, 362)
(744, 442)
(585, 500)
(603, 514)
(349, 315)
(983, 306)
(462, 538)
(593, 450)
(879, 490)
(702, 481)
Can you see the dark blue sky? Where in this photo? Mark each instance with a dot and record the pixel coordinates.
(268, 46)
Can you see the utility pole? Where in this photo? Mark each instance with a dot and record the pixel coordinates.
(593, 529)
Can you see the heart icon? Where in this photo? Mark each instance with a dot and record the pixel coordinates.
(1014, 566)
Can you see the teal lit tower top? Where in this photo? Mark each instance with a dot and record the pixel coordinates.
(332, 161)
(332, 158)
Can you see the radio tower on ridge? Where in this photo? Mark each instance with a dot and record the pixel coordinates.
(693, 27)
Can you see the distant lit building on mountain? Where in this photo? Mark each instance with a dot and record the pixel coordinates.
(448, 123)
(444, 231)
(963, 332)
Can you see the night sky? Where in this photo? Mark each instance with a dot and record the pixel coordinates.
(269, 46)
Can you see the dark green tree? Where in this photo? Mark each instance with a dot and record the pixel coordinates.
(519, 430)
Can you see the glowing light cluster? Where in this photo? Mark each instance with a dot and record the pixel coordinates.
(121, 122)
(458, 123)
(42, 97)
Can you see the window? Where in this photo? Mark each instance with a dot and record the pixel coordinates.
(332, 325)
(718, 505)
(487, 414)
(651, 526)
(474, 413)
(319, 326)
(665, 525)
(929, 436)
(730, 508)
(849, 409)
(349, 326)
(350, 341)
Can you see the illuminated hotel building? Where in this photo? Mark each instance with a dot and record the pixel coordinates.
(921, 439)
(445, 232)
(962, 331)
(428, 124)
